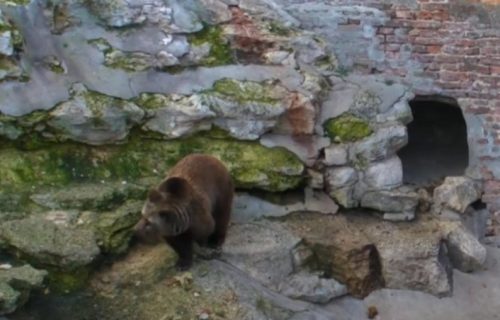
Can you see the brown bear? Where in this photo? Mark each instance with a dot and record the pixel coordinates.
(193, 203)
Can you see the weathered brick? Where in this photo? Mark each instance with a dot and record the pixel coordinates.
(491, 61)
(404, 14)
(453, 76)
(426, 24)
(428, 41)
(495, 70)
(434, 49)
(448, 58)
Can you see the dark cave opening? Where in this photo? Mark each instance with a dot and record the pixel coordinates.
(437, 141)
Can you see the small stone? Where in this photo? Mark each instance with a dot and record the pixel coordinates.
(384, 143)
(5, 266)
(335, 155)
(399, 200)
(203, 316)
(341, 177)
(385, 174)
(316, 179)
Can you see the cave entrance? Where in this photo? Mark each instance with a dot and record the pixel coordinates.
(437, 141)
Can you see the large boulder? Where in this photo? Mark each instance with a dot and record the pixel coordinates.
(47, 243)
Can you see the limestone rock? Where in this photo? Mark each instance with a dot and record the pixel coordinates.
(306, 147)
(175, 116)
(399, 216)
(456, 193)
(385, 174)
(90, 196)
(349, 256)
(312, 288)
(171, 17)
(113, 229)
(94, 118)
(466, 253)
(16, 284)
(384, 143)
(398, 200)
(246, 109)
(44, 242)
(335, 155)
(262, 250)
(341, 177)
(247, 207)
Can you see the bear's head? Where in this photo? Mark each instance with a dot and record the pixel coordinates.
(165, 212)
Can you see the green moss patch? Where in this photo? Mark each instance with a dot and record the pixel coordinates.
(347, 128)
(244, 91)
(252, 165)
(220, 50)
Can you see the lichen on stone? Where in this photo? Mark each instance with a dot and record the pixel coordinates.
(245, 91)
(347, 128)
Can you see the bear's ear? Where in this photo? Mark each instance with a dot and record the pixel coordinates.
(175, 186)
(154, 195)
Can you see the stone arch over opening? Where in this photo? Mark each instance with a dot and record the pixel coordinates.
(437, 141)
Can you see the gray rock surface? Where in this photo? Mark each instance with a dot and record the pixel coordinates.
(384, 143)
(262, 250)
(247, 207)
(387, 174)
(94, 118)
(466, 253)
(48, 243)
(16, 284)
(312, 288)
(398, 200)
(456, 193)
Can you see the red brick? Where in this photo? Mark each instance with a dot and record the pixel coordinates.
(490, 61)
(400, 23)
(449, 84)
(453, 76)
(461, 50)
(477, 68)
(405, 14)
(447, 58)
(428, 41)
(434, 49)
(452, 66)
(495, 70)
(426, 24)
(419, 49)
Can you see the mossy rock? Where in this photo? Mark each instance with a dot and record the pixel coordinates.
(246, 91)
(347, 128)
(220, 50)
(251, 164)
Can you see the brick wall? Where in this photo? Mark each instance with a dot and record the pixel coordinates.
(439, 47)
(452, 48)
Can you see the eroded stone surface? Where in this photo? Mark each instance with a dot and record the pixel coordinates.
(47, 243)
(456, 193)
(16, 284)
